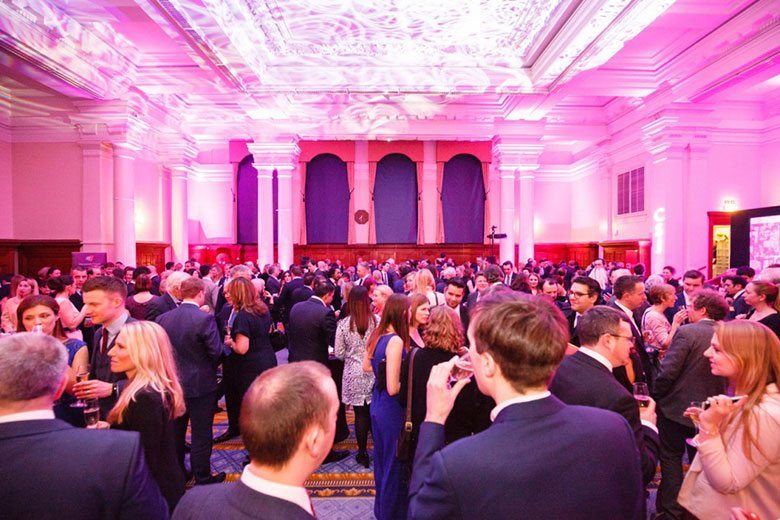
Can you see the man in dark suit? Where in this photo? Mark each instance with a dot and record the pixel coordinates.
(541, 458)
(171, 299)
(285, 297)
(305, 291)
(453, 297)
(629, 295)
(197, 347)
(692, 281)
(735, 289)
(87, 328)
(272, 284)
(334, 275)
(52, 470)
(104, 297)
(509, 273)
(685, 376)
(303, 401)
(583, 295)
(363, 272)
(312, 329)
(585, 378)
(481, 284)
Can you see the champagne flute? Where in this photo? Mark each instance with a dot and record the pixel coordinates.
(92, 413)
(693, 412)
(462, 369)
(642, 394)
(82, 374)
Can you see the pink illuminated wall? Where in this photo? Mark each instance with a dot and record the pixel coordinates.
(211, 211)
(47, 191)
(6, 192)
(552, 207)
(149, 210)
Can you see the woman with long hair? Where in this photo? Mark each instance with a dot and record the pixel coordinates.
(386, 349)
(763, 297)
(425, 284)
(352, 333)
(418, 318)
(738, 458)
(62, 288)
(534, 285)
(248, 336)
(44, 312)
(21, 287)
(151, 401)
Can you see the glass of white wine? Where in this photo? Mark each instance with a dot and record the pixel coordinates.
(462, 369)
(82, 374)
(692, 413)
(92, 413)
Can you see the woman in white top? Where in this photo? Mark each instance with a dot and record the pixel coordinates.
(656, 329)
(425, 284)
(738, 458)
(21, 287)
(62, 288)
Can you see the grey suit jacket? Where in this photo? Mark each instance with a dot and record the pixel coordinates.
(685, 374)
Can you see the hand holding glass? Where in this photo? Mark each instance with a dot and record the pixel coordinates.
(642, 394)
(462, 369)
(82, 374)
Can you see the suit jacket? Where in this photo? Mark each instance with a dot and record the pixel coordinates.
(640, 360)
(101, 368)
(285, 298)
(197, 346)
(685, 374)
(301, 294)
(235, 501)
(52, 470)
(584, 458)
(739, 306)
(273, 285)
(471, 302)
(582, 380)
(570, 317)
(311, 329)
(160, 306)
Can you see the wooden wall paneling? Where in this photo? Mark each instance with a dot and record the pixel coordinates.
(34, 255)
(8, 250)
(584, 253)
(151, 254)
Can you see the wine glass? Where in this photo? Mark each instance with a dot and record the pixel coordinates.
(693, 412)
(92, 413)
(642, 394)
(82, 374)
(462, 369)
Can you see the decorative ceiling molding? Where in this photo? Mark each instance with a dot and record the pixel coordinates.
(95, 59)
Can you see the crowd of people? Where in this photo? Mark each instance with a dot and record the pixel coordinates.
(579, 382)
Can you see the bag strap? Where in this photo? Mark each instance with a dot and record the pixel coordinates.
(409, 383)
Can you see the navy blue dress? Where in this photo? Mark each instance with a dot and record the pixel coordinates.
(62, 408)
(387, 417)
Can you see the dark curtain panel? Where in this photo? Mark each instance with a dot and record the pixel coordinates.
(327, 200)
(247, 201)
(463, 200)
(395, 200)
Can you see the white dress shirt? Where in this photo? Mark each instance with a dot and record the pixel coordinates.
(516, 400)
(34, 415)
(295, 494)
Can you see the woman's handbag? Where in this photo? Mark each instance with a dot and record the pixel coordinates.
(278, 338)
(404, 451)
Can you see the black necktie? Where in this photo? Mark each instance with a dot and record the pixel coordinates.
(104, 342)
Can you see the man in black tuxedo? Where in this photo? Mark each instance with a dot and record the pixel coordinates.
(104, 297)
(583, 295)
(171, 299)
(552, 290)
(52, 470)
(541, 458)
(509, 273)
(197, 348)
(453, 297)
(311, 330)
(685, 376)
(285, 297)
(303, 401)
(735, 289)
(304, 292)
(629, 295)
(586, 379)
(79, 275)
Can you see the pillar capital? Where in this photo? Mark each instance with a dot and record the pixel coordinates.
(517, 154)
(280, 155)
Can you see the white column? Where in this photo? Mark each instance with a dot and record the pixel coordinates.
(526, 242)
(265, 214)
(124, 204)
(507, 245)
(430, 195)
(98, 189)
(285, 234)
(362, 194)
(179, 213)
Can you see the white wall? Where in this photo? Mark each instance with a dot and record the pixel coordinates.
(552, 211)
(6, 192)
(210, 211)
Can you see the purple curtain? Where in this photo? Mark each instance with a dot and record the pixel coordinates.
(246, 183)
(463, 200)
(395, 200)
(327, 200)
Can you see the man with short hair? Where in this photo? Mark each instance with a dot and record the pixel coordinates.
(746, 272)
(629, 295)
(692, 281)
(481, 285)
(79, 275)
(583, 295)
(453, 297)
(541, 458)
(585, 378)
(735, 291)
(303, 401)
(305, 291)
(685, 376)
(197, 347)
(273, 284)
(285, 297)
(551, 290)
(52, 470)
(104, 298)
(171, 299)
(509, 273)
(363, 273)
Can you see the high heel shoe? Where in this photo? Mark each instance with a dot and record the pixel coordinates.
(362, 459)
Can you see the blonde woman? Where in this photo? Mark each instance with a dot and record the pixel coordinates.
(21, 287)
(425, 284)
(151, 401)
(738, 458)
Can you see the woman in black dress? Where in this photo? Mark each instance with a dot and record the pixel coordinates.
(763, 297)
(248, 337)
(151, 401)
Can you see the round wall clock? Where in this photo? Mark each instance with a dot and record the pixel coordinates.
(361, 216)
